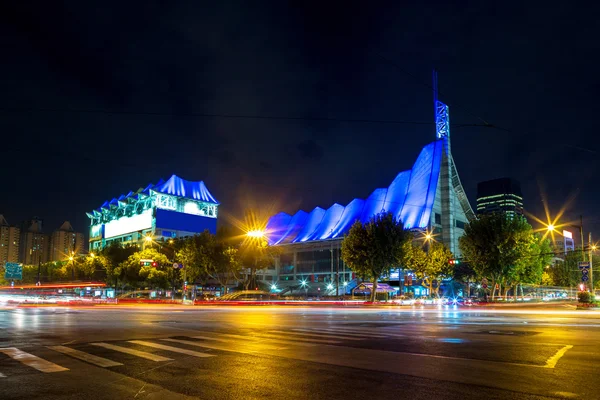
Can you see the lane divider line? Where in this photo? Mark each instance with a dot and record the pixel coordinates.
(551, 363)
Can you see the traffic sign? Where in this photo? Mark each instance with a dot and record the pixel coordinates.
(484, 286)
(584, 265)
(585, 271)
(175, 265)
(585, 278)
(13, 271)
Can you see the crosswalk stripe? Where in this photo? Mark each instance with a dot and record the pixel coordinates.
(238, 348)
(259, 339)
(319, 334)
(378, 333)
(170, 348)
(32, 361)
(133, 352)
(262, 346)
(344, 332)
(92, 359)
(294, 339)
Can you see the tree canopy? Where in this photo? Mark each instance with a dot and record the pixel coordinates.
(504, 250)
(371, 249)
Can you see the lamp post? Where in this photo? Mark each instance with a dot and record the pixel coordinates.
(72, 259)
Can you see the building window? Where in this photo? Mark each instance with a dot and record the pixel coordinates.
(460, 224)
(438, 219)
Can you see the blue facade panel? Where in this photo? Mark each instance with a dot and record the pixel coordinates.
(351, 214)
(166, 219)
(396, 194)
(294, 227)
(330, 220)
(373, 205)
(277, 226)
(409, 197)
(312, 222)
(420, 191)
(177, 186)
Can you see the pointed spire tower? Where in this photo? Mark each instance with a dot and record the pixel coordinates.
(454, 203)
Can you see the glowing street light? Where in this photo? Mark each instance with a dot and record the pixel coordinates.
(345, 284)
(71, 258)
(92, 255)
(550, 228)
(329, 286)
(256, 234)
(273, 287)
(148, 238)
(303, 283)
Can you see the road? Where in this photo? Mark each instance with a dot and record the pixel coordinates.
(172, 352)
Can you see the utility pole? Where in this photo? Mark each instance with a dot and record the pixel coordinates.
(581, 232)
(590, 257)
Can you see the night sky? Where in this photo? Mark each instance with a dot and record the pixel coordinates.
(288, 105)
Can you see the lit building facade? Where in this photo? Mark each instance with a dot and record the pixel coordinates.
(10, 237)
(429, 196)
(65, 241)
(35, 244)
(501, 195)
(167, 210)
(563, 244)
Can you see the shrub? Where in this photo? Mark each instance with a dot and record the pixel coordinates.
(585, 297)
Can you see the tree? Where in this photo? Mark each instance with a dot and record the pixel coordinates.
(372, 248)
(431, 264)
(496, 246)
(547, 279)
(132, 272)
(115, 255)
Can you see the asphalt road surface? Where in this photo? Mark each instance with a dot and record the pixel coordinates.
(298, 353)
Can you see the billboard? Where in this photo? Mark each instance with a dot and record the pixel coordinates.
(125, 225)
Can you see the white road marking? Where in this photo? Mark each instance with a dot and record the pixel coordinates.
(2, 375)
(32, 361)
(90, 358)
(237, 349)
(259, 339)
(133, 352)
(295, 339)
(345, 332)
(551, 363)
(170, 348)
(319, 334)
(262, 346)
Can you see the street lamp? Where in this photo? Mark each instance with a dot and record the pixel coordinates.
(256, 234)
(304, 285)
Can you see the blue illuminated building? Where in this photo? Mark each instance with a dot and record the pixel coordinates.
(429, 196)
(167, 210)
